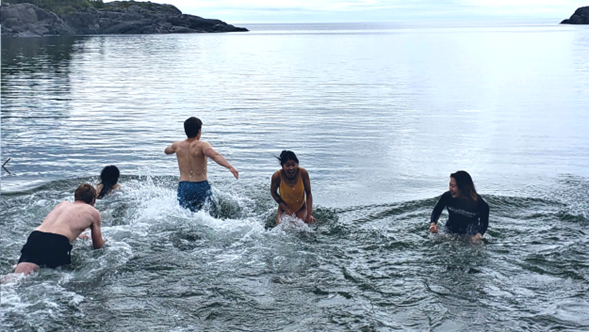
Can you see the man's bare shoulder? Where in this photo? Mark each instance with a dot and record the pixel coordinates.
(95, 213)
(202, 144)
(63, 204)
(90, 211)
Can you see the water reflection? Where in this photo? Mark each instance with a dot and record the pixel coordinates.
(36, 79)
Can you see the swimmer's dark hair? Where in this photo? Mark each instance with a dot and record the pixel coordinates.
(108, 178)
(287, 155)
(86, 193)
(465, 185)
(192, 126)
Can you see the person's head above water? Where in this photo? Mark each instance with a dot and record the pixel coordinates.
(192, 127)
(85, 193)
(109, 175)
(461, 185)
(108, 178)
(289, 162)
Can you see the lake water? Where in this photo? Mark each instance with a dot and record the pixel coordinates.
(379, 114)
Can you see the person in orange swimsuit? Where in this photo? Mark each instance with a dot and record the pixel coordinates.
(290, 186)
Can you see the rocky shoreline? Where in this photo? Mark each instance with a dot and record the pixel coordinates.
(581, 16)
(28, 20)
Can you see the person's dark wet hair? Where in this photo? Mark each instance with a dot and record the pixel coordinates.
(287, 155)
(465, 185)
(108, 178)
(192, 126)
(86, 193)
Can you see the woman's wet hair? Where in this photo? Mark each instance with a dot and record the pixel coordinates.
(108, 178)
(465, 185)
(287, 155)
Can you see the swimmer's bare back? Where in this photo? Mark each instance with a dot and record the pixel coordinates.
(70, 219)
(192, 159)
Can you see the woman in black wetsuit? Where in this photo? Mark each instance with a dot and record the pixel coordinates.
(468, 213)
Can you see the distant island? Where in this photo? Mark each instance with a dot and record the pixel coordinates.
(39, 18)
(581, 16)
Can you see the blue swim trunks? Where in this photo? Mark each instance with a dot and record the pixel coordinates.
(193, 195)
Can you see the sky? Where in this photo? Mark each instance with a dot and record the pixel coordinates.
(319, 11)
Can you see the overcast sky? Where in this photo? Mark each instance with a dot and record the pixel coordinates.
(306, 11)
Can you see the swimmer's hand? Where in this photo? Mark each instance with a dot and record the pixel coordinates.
(310, 219)
(83, 236)
(433, 228)
(234, 172)
(477, 237)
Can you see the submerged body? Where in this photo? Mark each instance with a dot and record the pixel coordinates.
(100, 187)
(468, 212)
(291, 189)
(109, 178)
(464, 216)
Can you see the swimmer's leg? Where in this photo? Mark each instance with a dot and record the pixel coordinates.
(302, 213)
(279, 215)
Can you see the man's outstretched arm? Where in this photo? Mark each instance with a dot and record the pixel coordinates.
(219, 159)
(171, 149)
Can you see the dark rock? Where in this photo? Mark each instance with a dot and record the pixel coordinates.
(26, 20)
(117, 17)
(580, 16)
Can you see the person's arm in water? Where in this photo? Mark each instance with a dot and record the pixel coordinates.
(274, 191)
(309, 203)
(433, 227)
(95, 231)
(483, 208)
(209, 152)
(171, 149)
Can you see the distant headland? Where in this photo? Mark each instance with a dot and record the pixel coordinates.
(39, 18)
(581, 16)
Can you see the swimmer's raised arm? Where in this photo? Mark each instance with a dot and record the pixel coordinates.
(209, 152)
(171, 149)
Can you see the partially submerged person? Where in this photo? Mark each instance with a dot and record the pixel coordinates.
(290, 186)
(192, 153)
(109, 177)
(468, 213)
(50, 244)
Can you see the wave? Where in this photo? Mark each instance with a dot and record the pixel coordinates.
(358, 265)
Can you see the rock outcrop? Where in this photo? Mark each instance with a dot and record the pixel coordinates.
(581, 16)
(28, 20)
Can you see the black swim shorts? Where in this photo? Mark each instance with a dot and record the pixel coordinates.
(46, 249)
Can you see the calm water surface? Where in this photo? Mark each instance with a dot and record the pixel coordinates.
(379, 114)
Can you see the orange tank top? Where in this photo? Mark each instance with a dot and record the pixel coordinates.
(293, 197)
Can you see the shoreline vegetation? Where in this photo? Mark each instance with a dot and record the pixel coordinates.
(40, 18)
(580, 16)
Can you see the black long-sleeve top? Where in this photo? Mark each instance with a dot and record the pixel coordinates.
(464, 216)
